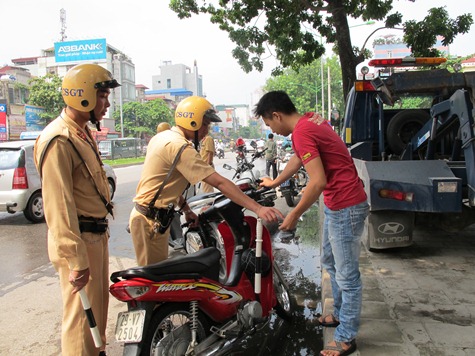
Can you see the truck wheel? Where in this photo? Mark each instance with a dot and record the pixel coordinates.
(402, 128)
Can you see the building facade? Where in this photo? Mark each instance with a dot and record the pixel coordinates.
(65, 55)
(178, 77)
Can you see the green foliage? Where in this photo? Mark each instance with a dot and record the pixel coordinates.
(141, 119)
(413, 102)
(420, 36)
(245, 132)
(46, 92)
(291, 30)
(303, 85)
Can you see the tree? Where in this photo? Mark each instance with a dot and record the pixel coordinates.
(293, 28)
(304, 85)
(46, 92)
(141, 119)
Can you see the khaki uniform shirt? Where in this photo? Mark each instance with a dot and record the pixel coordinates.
(67, 187)
(161, 152)
(207, 147)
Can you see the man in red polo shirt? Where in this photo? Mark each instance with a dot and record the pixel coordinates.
(332, 172)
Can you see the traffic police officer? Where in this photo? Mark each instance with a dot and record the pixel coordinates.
(163, 126)
(207, 151)
(170, 165)
(76, 202)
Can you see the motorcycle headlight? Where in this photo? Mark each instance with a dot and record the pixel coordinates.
(193, 242)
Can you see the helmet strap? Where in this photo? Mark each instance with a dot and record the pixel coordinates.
(94, 120)
(197, 142)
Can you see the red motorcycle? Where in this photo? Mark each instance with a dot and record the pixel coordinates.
(200, 302)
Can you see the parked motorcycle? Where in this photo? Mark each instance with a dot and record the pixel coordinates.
(220, 153)
(199, 302)
(293, 186)
(246, 168)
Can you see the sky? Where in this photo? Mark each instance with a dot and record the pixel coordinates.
(150, 33)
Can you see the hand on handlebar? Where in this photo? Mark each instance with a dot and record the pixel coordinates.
(191, 219)
(266, 182)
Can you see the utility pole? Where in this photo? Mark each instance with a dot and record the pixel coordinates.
(62, 18)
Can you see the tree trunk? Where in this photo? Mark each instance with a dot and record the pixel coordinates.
(348, 60)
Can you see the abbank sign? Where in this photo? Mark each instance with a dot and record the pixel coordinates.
(84, 50)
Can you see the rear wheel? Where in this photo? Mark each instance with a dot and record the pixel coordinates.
(289, 199)
(169, 332)
(34, 209)
(284, 302)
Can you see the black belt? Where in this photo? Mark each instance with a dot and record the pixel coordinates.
(163, 217)
(145, 210)
(94, 225)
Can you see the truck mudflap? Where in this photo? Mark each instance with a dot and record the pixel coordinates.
(388, 229)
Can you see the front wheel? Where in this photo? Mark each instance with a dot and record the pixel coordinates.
(284, 305)
(169, 331)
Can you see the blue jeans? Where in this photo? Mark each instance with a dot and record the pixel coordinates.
(342, 231)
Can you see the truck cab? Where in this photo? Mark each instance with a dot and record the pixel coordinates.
(409, 129)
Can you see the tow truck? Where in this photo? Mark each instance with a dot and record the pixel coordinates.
(410, 131)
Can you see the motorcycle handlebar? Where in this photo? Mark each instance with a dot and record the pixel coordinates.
(258, 154)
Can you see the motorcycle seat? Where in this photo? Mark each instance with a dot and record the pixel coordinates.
(203, 263)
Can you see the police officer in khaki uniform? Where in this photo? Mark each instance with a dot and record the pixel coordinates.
(149, 233)
(163, 126)
(76, 202)
(207, 151)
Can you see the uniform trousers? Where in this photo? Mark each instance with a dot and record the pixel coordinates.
(150, 246)
(76, 337)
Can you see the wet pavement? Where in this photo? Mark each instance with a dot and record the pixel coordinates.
(417, 300)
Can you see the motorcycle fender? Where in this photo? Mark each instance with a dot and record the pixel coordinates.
(267, 297)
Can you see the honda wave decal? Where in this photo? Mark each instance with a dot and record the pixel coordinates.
(224, 295)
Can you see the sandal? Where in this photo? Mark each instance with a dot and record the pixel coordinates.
(339, 348)
(329, 324)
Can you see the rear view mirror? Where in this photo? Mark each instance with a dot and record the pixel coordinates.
(227, 166)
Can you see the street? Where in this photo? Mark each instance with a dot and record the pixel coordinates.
(30, 294)
(417, 300)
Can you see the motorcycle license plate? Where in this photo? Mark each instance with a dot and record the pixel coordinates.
(129, 327)
(286, 183)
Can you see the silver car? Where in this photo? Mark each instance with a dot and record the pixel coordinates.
(20, 184)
